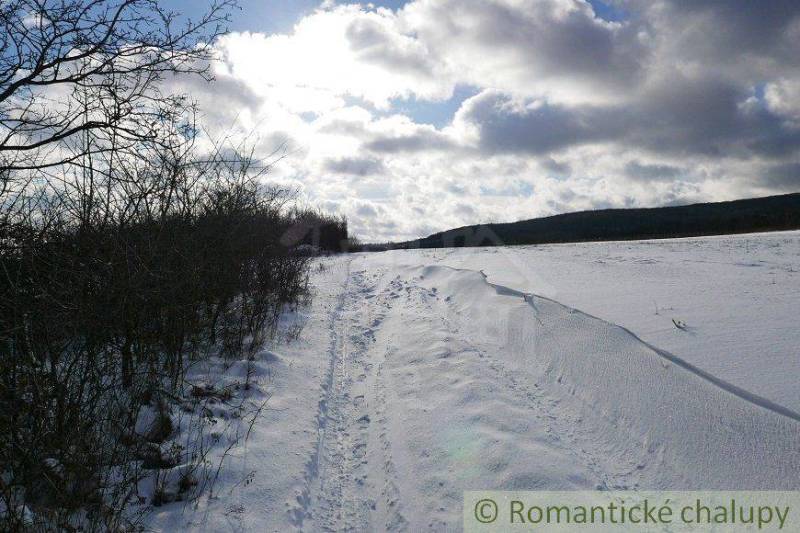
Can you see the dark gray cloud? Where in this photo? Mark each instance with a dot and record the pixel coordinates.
(707, 115)
(557, 167)
(366, 211)
(682, 114)
(690, 72)
(571, 42)
(725, 31)
(344, 127)
(421, 140)
(465, 210)
(785, 177)
(506, 125)
(355, 166)
(554, 39)
(645, 172)
(704, 116)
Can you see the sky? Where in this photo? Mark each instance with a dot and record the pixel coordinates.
(411, 117)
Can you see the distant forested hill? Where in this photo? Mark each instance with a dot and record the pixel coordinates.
(773, 213)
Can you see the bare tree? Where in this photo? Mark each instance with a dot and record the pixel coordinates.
(68, 67)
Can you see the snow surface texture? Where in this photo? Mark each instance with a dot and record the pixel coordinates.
(414, 381)
(738, 295)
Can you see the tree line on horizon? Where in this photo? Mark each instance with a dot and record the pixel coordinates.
(772, 213)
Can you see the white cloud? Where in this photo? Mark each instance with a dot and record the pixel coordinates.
(333, 53)
(783, 98)
(552, 48)
(571, 111)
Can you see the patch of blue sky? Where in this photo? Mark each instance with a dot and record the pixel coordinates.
(607, 10)
(759, 91)
(267, 16)
(758, 97)
(435, 113)
(279, 16)
(438, 114)
(391, 4)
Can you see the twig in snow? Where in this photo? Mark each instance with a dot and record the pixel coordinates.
(679, 324)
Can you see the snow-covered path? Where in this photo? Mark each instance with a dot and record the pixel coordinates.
(413, 415)
(355, 481)
(411, 384)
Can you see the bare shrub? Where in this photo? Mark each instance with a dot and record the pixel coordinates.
(126, 254)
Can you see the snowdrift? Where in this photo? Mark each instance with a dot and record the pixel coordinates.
(660, 422)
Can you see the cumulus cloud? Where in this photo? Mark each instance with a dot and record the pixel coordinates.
(680, 100)
(503, 123)
(687, 115)
(749, 38)
(554, 48)
(332, 53)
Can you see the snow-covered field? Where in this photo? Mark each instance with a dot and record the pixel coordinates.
(418, 376)
(738, 295)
